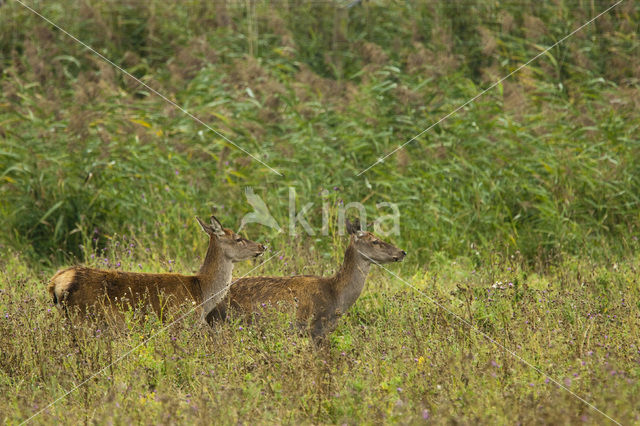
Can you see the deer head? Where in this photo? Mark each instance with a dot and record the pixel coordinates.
(234, 247)
(371, 247)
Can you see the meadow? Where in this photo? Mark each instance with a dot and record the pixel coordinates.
(519, 212)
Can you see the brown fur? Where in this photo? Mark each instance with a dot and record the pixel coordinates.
(82, 287)
(319, 301)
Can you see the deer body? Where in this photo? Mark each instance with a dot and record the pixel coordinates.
(84, 287)
(319, 301)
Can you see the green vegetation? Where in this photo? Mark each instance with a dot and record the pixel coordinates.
(544, 163)
(395, 356)
(535, 183)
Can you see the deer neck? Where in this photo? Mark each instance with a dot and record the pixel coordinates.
(214, 276)
(349, 280)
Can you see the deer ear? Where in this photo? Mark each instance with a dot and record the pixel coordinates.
(354, 227)
(206, 228)
(216, 226)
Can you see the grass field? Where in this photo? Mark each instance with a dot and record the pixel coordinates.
(519, 213)
(395, 357)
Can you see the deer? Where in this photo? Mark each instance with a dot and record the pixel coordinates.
(84, 287)
(319, 301)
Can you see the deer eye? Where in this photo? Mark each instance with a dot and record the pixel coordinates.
(238, 239)
(376, 242)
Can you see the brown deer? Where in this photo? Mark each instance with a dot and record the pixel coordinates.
(319, 301)
(84, 287)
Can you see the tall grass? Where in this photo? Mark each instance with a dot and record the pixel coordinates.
(395, 357)
(543, 164)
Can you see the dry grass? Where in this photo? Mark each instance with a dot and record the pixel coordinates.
(394, 358)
